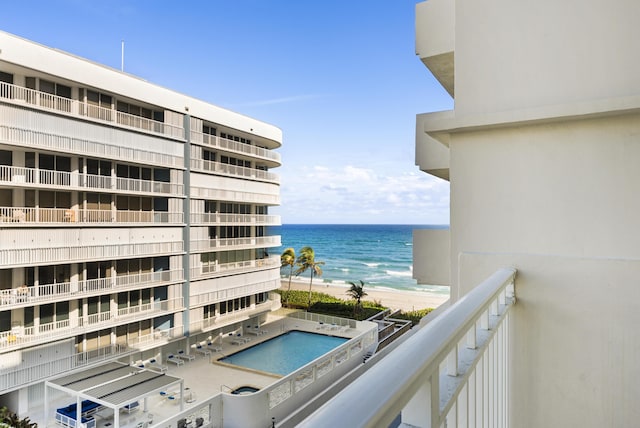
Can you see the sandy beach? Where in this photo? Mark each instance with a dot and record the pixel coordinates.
(395, 299)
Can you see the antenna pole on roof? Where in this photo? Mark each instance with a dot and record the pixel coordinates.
(122, 58)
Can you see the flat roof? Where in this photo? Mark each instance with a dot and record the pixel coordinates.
(114, 384)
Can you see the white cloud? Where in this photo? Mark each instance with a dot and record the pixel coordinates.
(351, 194)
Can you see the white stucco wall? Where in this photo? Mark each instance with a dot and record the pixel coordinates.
(513, 55)
(544, 143)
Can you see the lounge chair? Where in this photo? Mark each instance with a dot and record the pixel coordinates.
(175, 360)
(131, 407)
(154, 365)
(237, 341)
(259, 331)
(213, 347)
(183, 355)
(202, 350)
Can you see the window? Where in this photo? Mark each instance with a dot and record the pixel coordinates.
(98, 105)
(262, 297)
(5, 320)
(6, 157)
(208, 155)
(235, 138)
(58, 90)
(209, 311)
(98, 99)
(210, 206)
(49, 199)
(98, 167)
(6, 79)
(139, 111)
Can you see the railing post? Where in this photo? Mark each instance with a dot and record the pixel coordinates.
(452, 362)
(471, 337)
(419, 410)
(484, 320)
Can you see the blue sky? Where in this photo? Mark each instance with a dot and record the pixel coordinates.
(340, 78)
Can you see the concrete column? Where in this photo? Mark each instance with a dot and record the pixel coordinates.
(18, 193)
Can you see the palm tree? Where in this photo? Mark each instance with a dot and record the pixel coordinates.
(357, 292)
(288, 258)
(307, 261)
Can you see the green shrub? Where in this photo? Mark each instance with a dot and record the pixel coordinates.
(413, 316)
(322, 303)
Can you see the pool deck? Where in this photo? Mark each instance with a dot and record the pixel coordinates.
(204, 377)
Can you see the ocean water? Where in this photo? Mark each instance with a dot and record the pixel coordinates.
(379, 255)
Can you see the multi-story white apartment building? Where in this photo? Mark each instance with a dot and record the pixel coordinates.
(131, 216)
(542, 153)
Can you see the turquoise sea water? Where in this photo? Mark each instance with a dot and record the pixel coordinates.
(379, 255)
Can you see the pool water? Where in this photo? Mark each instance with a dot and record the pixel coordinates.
(244, 390)
(286, 353)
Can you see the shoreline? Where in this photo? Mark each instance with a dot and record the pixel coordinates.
(404, 300)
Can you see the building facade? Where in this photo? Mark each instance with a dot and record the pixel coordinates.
(131, 216)
(541, 151)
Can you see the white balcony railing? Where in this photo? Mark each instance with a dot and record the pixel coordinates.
(20, 135)
(20, 95)
(16, 216)
(23, 296)
(234, 243)
(235, 219)
(221, 320)
(234, 146)
(157, 337)
(78, 253)
(236, 292)
(216, 269)
(234, 196)
(18, 336)
(234, 170)
(21, 375)
(36, 177)
(452, 372)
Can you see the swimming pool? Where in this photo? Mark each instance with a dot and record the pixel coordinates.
(286, 353)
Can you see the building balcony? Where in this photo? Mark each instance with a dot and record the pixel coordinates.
(222, 219)
(28, 216)
(48, 293)
(216, 296)
(36, 99)
(20, 256)
(157, 338)
(452, 372)
(19, 375)
(432, 256)
(234, 171)
(435, 39)
(231, 146)
(213, 270)
(17, 176)
(30, 129)
(432, 155)
(20, 336)
(227, 244)
(12, 378)
(221, 320)
(234, 196)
